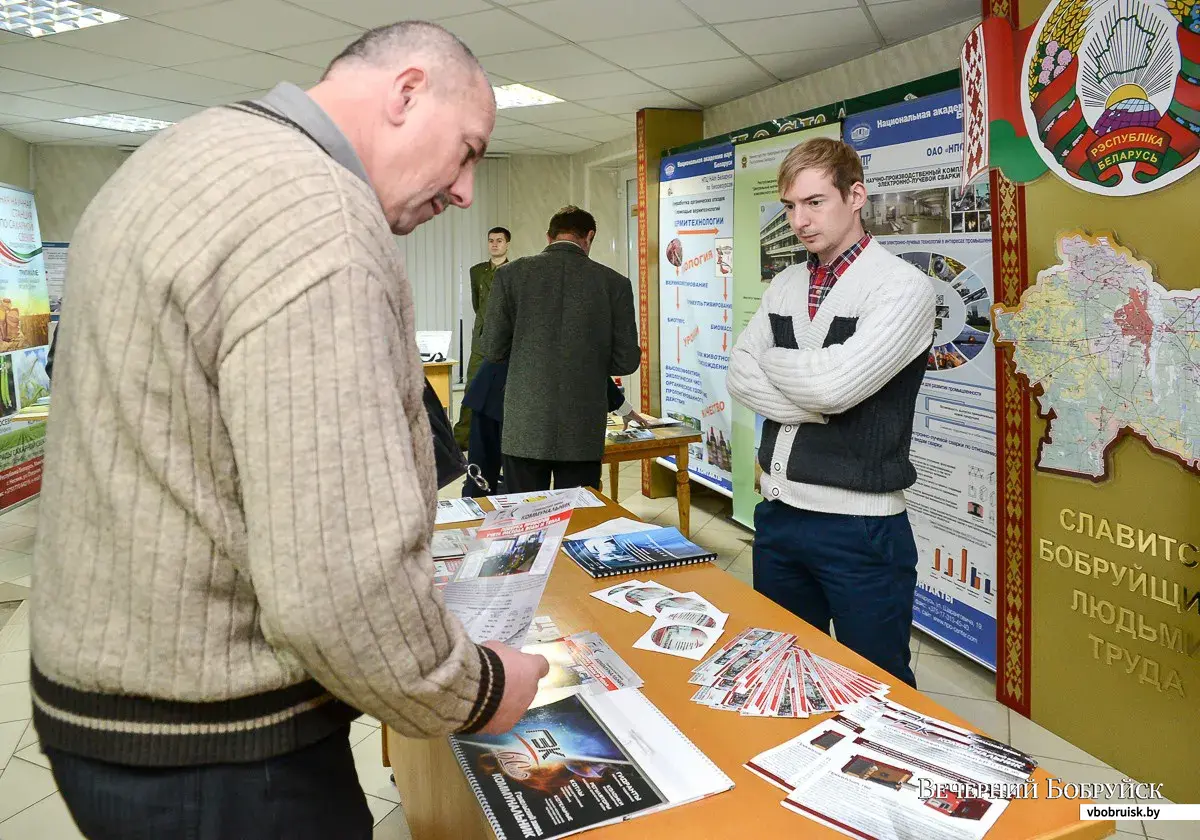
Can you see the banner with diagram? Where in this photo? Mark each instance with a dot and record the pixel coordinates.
(763, 246)
(912, 157)
(24, 340)
(695, 274)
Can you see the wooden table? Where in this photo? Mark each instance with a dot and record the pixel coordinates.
(438, 374)
(668, 441)
(439, 804)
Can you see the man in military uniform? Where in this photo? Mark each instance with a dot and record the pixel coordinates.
(481, 288)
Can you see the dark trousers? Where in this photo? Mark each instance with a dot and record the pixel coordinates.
(311, 794)
(484, 452)
(524, 475)
(860, 572)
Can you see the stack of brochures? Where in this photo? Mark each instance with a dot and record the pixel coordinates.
(450, 511)
(763, 673)
(495, 584)
(585, 755)
(881, 771)
(628, 547)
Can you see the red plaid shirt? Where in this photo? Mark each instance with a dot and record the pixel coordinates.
(822, 277)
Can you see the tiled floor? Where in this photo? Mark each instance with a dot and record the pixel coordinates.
(31, 809)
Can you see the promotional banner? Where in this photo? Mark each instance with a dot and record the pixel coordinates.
(24, 340)
(695, 273)
(763, 246)
(54, 258)
(912, 156)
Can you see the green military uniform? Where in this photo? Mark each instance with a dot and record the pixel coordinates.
(481, 289)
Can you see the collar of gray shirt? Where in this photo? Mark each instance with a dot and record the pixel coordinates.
(289, 101)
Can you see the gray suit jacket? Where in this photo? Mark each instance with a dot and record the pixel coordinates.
(565, 324)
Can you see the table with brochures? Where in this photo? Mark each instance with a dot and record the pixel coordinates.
(440, 805)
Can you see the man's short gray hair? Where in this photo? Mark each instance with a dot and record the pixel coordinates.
(385, 44)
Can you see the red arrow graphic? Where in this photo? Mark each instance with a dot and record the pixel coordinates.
(676, 297)
(725, 282)
(677, 352)
(725, 316)
(724, 342)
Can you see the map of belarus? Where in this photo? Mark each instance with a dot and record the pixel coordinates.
(1113, 351)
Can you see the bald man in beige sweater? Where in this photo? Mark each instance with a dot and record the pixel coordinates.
(233, 558)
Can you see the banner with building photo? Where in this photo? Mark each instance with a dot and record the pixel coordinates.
(763, 245)
(695, 274)
(24, 340)
(912, 156)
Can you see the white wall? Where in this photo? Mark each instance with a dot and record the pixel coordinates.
(439, 254)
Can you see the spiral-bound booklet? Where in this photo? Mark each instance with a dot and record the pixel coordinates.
(584, 762)
(622, 554)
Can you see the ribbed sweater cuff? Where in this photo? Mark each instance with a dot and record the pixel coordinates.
(491, 690)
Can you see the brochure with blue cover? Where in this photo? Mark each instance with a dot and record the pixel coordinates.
(621, 554)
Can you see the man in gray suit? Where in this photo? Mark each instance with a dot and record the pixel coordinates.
(565, 324)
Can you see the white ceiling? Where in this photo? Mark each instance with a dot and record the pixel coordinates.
(606, 58)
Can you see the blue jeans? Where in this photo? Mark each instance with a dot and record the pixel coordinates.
(860, 572)
(311, 794)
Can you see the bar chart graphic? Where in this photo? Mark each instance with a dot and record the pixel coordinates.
(961, 570)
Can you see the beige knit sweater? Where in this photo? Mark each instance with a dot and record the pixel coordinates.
(239, 486)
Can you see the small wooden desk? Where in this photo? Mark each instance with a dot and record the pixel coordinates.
(438, 374)
(668, 440)
(439, 804)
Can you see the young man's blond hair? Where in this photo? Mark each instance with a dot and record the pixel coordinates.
(836, 159)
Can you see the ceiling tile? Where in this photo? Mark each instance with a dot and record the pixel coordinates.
(498, 31)
(139, 40)
(71, 65)
(583, 125)
(634, 103)
(572, 147)
(599, 84)
(257, 24)
(583, 20)
(506, 146)
(663, 48)
(523, 133)
(543, 114)
(371, 13)
(601, 134)
(319, 54)
(177, 87)
(35, 109)
(28, 136)
(256, 70)
(739, 71)
(534, 65)
(913, 18)
(145, 8)
(14, 81)
(62, 131)
(722, 11)
(174, 112)
(13, 119)
(717, 94)
(793, 65)
(98, 100)
(782, 34)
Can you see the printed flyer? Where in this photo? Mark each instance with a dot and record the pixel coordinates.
(695, 276)
(24, 342)
(912, 156)
(763, 246)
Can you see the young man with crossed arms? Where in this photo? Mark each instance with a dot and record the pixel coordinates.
(833, 359)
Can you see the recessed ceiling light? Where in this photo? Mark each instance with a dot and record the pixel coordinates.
(520, 96)
(49, 17)
(118, 122)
